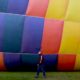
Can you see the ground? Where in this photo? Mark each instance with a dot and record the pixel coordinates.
(30, 76)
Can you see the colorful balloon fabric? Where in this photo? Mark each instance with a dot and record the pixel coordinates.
(52, 26)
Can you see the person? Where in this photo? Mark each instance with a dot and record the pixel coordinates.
(40, 66)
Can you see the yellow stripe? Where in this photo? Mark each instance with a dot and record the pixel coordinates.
(70, 38)
(77, 63)
(73, 11)
(78, 48)
(56, 9)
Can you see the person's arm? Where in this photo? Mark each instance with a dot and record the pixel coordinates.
(41, 58)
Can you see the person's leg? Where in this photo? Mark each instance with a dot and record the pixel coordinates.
(43, 70)
(38, 71)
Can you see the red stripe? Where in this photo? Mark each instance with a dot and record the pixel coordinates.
(52, 35)
(66, 62)
(37, 8)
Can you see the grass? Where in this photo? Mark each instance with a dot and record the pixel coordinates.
(30, 76)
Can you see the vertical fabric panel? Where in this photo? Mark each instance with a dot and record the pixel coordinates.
(2, 65)
(73, 11)
(78, 48)
(66, 62)
(37, 7)
(52, 36)
(29, 61)
(57, 9)
(71, 37)
(3, 5)
(77, 62)
(12, 61)
(17, 6)
(1, 29)
(13, 32)
(32, 34)
(50, 62)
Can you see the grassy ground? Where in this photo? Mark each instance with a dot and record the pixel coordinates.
(30, 76)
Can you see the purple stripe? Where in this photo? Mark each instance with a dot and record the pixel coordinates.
(12, 60)
(32, 34)
(17, 6)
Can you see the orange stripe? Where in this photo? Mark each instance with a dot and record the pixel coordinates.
(51, 36)
(77, 62)
(2, 65)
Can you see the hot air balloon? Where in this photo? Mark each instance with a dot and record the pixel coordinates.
(53, 26)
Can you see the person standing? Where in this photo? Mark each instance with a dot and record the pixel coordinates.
(40, 66)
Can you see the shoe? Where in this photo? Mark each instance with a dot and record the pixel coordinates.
(44, 76)
(36, 76)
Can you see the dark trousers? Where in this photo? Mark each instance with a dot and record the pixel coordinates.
(40, 68)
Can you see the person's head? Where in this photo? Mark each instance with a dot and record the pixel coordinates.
(39, 52)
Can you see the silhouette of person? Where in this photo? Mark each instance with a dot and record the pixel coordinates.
(40, 66)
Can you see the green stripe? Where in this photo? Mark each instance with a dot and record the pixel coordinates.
(30, 58)
(13, 33)
(3, 5)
